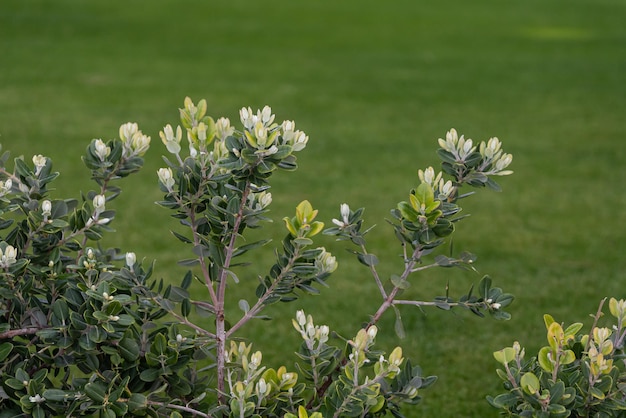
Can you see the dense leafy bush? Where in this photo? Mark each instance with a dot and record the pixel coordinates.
(576, 375)
(87, 331)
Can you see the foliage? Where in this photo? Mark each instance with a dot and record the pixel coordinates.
(577, 374)
(83, 336)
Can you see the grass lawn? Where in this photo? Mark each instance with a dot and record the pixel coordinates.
(374, 84)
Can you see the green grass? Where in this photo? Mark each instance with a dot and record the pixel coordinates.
(374, 84)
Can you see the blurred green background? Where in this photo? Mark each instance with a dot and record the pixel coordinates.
(374, 84)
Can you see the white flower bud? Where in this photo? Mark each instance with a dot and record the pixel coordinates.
(99, 204)
(131, 258)
(223, 128)
(166, 178)
(171, 141)
(371, 332)
(8, 257)
(5, 186)
(36, 399)
(127, 131)
(46, 208)
(102, 151)
(40, 162)
(301, 318)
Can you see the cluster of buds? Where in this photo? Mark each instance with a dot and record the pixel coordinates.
(389, 368)
(302, 225)
(443, 189)
(325, 262)
(599, 349)
(166, 177)
(494, 159)
(296, 139)
(262, 133)
(5, 187)
(102, 150)
(135, 143)
(259, 201)
(460, 148)
(8, 255)
(40, 162)
(313, 335)
(90, 262)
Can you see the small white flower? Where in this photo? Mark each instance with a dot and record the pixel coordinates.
(140, 143)
(8, 257)
(491, 149)
(46, 208)
(40, 162)
(102, 151)
(131, 259)
(99, 203)
(301, 317)
(166, 178)
(502, 163)
(326, 262)
(114, 318)
(223, 128)
(255, 360)
(300, 141)
(371, 332)
(36, 399)
(171, 141)
(344, 210)
(127, 131)
(445, 189)
(266, 115)
(5, 187)
(324, 331)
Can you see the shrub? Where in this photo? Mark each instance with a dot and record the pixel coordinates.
(87, 331)
(577, 374)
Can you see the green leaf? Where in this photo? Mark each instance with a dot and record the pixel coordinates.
(369, 260)
(129, 349)
(484, 286)
(5, 350)
(398, 326)
(57, 395)
(244, 306)
(96, 391)
(150, 375)
(544, 360)
(505, 356)
(137, 401)
(399, 282)
(530, 383)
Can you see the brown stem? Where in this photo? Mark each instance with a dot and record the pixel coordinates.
(220, 326)
(17, 332)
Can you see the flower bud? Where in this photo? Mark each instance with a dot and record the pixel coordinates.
(99, 202)
(46, 208)
(39, 161)
(131, 259)
(166, 178)
(102, 150)
(8, 257)
(171, 141)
